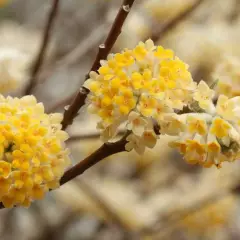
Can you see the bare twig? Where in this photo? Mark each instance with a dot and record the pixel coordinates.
(42, 51)
(169, 25)
(103, 51)
(81, 49)
(88, 136)
(72, 57)
(106, 150)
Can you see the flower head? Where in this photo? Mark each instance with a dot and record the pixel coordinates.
(137, 86)
(32, 153)
(211, 138)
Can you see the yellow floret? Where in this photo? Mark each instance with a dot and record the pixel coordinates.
(220, 128)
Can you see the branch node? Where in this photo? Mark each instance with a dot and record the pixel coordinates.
(101, 46)
(126, 8)
(66, 107)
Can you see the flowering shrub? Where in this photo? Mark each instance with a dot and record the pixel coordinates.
(33, 156)
(138, 87)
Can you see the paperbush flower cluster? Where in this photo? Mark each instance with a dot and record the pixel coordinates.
(33, 156)
(136, 88)
(212, 135)
(228, 75)
(148, 86)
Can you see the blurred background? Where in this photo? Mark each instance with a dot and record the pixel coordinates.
(155, 196)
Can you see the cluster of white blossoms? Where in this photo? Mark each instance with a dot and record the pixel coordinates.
(138, 88)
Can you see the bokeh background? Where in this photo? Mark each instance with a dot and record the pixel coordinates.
(155, 196)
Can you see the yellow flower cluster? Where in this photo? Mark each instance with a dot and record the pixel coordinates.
(208, 138)
(136, 86)
(33, 156)
(228, 75)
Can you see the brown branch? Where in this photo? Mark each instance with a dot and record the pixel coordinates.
(90, 136)
(71, 112)
(87, 136)
(106, 150)
(42, 51)
(169, 25)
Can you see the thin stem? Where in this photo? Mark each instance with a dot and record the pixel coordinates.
(94, 135)
(43, 49)
(106, 150)
(90, 136)
(72, 57)
(71, 112)
(169, 25)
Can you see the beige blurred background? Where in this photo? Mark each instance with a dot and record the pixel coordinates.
(155, 196)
